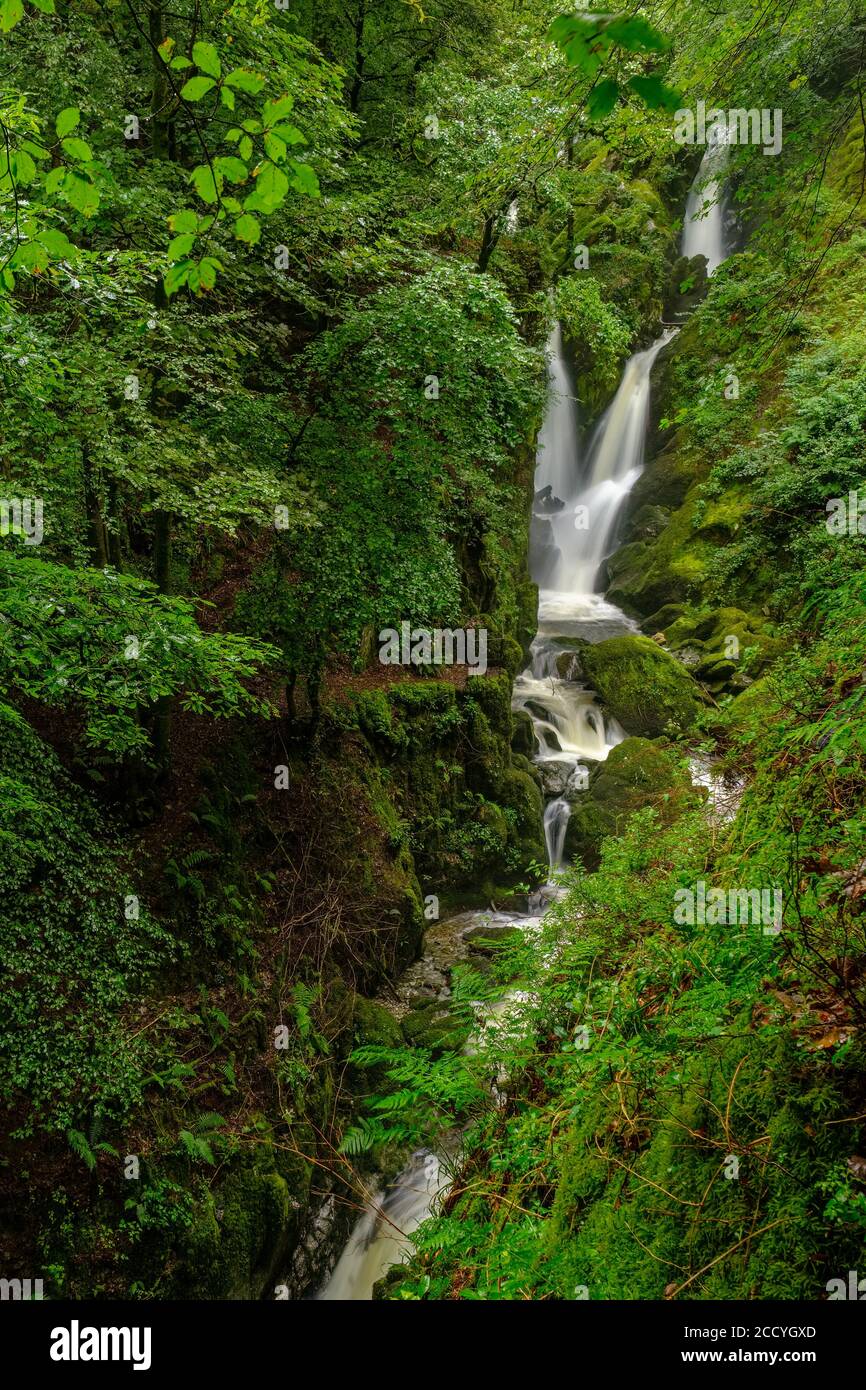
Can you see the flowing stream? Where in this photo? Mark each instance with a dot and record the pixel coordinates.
(578, 504)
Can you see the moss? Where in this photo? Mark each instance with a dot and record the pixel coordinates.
(423, 695)
(523, 738)
(432, 1026)
(240, 1235)
(642, 685)
(636, 773)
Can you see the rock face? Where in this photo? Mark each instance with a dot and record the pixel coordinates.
(637, 773)
(645, 688)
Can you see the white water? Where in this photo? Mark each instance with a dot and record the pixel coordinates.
(704, 223)
(570, 726)
(575, 516)
(381, 1237)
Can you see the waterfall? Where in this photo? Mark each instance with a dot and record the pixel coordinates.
(574, 522)
(381, 1237)
(557, 441)
(571, 728)
(704, 222)
(584, 535)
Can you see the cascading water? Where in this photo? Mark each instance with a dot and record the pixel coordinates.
(381, 1237)
(705, 220)
(574, 522)
(574, 525)
(570, 726)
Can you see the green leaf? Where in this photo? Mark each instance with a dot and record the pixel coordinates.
(180, 246)
(275, 111)
(56, 242)
(205, 56)
(305, 180)
(80, 194)
(636, 34)
(184, 221)
(67, 120)
(247, 229)
(275, 148)
(22, 166)
(202, 181)
(602, 99)
(580, 55)
(566, 26)
(177, 277)
(53, 179)
(290, 134)
(208, 268)
(232, 167)
(271, 187)
(227, 97)
(77, 149)
(37, 151)
(10, 13)
(245, 148)
(46, 6)
(245, 81)
(196, 88)
(180, 62)
(654, 92)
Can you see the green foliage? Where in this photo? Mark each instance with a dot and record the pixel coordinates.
(77, 958)
(107, 645)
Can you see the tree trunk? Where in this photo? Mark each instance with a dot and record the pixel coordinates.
(95, 520)
(358, 80)
(160, 88)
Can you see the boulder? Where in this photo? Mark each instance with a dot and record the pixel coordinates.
(636, 773)
(642, 686)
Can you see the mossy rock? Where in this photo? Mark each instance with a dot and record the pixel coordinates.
(241, 1236)
(726, 643)
(664, 482)
(748, 713)
(433, 1027)
(649, 521)
(644, 687)
(488, 940)
(373, 1023)
(531, 769)
(523, 737)
(673, 568)
(636, 773)
(663, 618)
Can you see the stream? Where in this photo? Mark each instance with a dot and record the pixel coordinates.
(579, 497)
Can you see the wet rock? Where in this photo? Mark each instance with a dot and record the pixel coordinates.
(642, 685)
(523, 739)
(637, 773)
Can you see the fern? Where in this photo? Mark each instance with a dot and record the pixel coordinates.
(79, 1145)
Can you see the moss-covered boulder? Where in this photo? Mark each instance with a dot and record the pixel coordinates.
(434, 1027)
(636, 773)
(523, 738)
(728, 646)
(644, 687)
